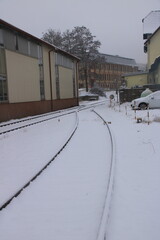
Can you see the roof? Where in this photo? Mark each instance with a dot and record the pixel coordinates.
(119, 60)
(152, 35)
(28, 35)
(134, 74)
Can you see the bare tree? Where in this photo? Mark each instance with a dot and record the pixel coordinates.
(79, 42)
(53, 37)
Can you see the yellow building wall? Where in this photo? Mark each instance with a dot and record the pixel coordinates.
(47, 73)
(136, 80)
(22, 77)
(153, 48)
(66, 82)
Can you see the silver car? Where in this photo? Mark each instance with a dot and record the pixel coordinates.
(150, 101)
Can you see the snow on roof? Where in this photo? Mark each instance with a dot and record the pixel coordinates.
(152, 35)
(119, 60)
(134, 73)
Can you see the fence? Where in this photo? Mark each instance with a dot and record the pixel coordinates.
(127, 95)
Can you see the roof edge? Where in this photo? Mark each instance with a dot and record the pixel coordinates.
(152, 35)
(14, 28)
(134, 74)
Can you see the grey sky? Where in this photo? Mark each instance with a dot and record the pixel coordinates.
(117, 24)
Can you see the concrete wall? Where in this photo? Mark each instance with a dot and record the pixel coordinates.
(22, 77)
(136, 80)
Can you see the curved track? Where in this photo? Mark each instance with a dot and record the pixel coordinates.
(46, 165)
(31, 123)
(101, 235)
(53, 158)
(7, 127)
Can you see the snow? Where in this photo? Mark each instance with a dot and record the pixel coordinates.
(67, 200)
(23, 152)
(135, 204)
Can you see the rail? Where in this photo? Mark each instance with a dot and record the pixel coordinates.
(64, 145)
(102, 230)
(60, 113)
(4, 205)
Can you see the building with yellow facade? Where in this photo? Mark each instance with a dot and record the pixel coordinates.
(152, 48)
(136, 79)
(35, 77)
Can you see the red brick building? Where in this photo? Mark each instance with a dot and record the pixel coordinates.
(108, 73)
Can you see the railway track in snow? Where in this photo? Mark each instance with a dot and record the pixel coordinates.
(18, 192)
(28, 122)
(7, 128)
(102, 230)
(6, 203)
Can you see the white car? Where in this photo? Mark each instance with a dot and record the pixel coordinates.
(150, 101)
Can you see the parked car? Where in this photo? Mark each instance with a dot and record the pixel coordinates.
(150, 101)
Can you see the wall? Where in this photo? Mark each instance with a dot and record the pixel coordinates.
(136, 80)
(65, 82)
(22, 77)
(19, 110)
(153, 48)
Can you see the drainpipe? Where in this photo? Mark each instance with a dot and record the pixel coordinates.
(77, 83)
(50, 76)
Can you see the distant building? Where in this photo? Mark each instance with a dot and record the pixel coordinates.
(35, 77)
(107, 74)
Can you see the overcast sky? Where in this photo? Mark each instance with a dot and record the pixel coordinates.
(117, 24)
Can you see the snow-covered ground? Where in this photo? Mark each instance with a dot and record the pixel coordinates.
(135, 204)
(24, 152)
(66, 201)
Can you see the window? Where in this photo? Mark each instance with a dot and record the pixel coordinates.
(33, 50)
(22, 45)
(1, 37)
(2, 61)
(41, 73)
(3, 80)
(57, 82)
(17, 42)
(3, 88)
(64, 61)
(9, 40)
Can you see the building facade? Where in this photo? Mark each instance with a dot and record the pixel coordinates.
(152, 48)
(107, 74)
(35, 77)
(137, 79)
